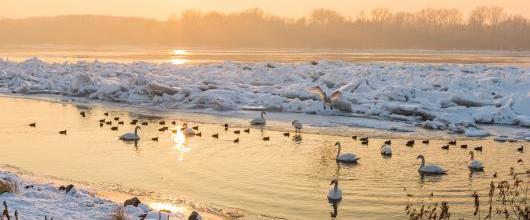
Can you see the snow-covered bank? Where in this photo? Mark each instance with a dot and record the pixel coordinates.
(435, 96)
(37, 201)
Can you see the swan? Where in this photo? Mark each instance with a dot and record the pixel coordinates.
(297, 126)
(336, 99)
(258, 121)
(386, 150)
(334, 193)
(347, 157)
(187, 131)
(429, 169)
(475, 165)
(131, 136)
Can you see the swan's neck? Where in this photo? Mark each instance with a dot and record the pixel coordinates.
(338, 152)
(472, 157)
(422, 162)
(336, 186)
(136, 131)
(262, 116)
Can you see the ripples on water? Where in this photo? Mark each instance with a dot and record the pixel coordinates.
(282, 177)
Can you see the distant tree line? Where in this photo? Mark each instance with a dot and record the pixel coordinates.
(486, 27)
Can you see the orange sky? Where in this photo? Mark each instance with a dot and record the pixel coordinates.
(161, 9)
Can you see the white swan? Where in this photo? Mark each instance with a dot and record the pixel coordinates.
(334, 193)
(131, 136)
(187, 130)
(336, 99)
(297, 125)
(429, 169)
(386, 150)
(259, 121)
(347, 157)
(475, 165)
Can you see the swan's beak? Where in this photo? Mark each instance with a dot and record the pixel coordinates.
(419, 156)
(332, 182)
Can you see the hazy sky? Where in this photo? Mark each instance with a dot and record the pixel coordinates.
(161, 9)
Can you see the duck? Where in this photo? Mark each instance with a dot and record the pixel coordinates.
(154, 139)
(198, 134)
(33, 124)
(216, 135)
(102, 120)
(116, 118)
(106, 114)
(297, 126)
(386, 150)
(173, 122)
(114, 128)
(364, 142)
(258, 121)
(247, 130)
(334, 193)
(388, 142)
(286, 134)
(475, 165)
(100, 124)
(237, 132)
(363, 139)
(429, 169)
(195, 128)
(120, 122)
(131, 136)
(145, 123)
(226, 126)
(83, 114)
(463, 146)
(425, 141)
(354, 137)
(163, 129)
(108, 122)
(410, 143)
(445, 147)
(134, 122)
(187, 131)
(236, 140)
(453, 142)
(62, 132)
(347, 157)
(520, 149)
(162, 123)
(266, 138)
(479, 148)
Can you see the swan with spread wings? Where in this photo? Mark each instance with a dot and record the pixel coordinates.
(336, 100)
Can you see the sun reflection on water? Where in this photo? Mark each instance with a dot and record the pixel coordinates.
(181, 144)
(178, 61)
(165, 206)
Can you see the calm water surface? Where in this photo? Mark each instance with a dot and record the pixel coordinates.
(181, 56)
(280, 178)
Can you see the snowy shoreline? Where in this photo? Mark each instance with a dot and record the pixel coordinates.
(453, 97)
(35, 200)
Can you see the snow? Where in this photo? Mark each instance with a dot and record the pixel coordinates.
(455, 97)
(36, 200)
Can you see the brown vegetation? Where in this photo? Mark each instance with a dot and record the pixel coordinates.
(484, 28)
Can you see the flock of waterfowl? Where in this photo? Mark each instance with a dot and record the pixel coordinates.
(334, 193)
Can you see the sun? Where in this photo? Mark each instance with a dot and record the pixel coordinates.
(180, 52)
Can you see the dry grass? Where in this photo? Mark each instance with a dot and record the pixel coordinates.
(7, 187)
(120, 214)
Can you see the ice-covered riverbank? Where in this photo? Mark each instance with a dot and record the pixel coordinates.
(436, 96)
(36, 201)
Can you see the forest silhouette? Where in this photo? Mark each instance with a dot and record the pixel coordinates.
(486, 27)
